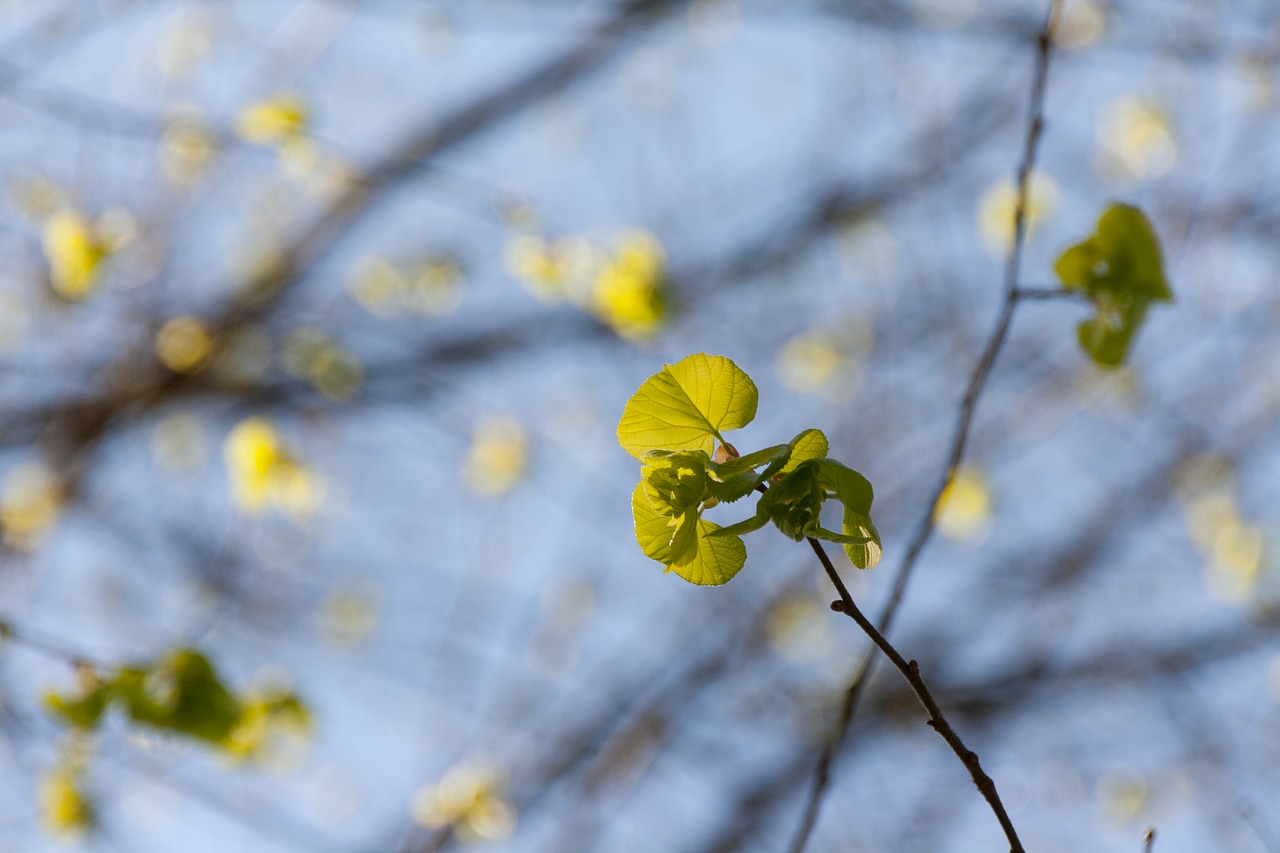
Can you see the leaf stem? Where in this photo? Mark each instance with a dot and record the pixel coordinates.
(911, 672)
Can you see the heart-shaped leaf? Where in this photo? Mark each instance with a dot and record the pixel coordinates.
(687, 406)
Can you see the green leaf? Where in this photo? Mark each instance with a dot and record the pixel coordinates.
(182, 694)
(1121, 270)
(84, 711)
(854, 492)
(738, 475)
(810, 444)
(653, 530)
(675, 481)
(687, 406)
(714, 560)
(695, 549)
(794, 505)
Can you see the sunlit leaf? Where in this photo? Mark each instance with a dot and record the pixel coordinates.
(687, 405)
(653, 530)
(862, 540)
(810, 444)
(714, 560)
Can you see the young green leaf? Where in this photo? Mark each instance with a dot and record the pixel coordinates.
(738, 478)
(687, 406)
(810, 444)
(653, 530)
(855, 494)
(1121, 270)
(688, 545)
(675, 481)
(715, 559)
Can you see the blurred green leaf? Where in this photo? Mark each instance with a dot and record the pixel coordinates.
(180, 693)
(1121, 271)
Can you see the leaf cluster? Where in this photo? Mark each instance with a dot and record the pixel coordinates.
(674, 425)
(1121, 271)
(182, 694)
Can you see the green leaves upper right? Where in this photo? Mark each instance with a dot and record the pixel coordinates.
(1121, 271)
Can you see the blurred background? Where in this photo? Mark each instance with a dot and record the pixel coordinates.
(317, 318)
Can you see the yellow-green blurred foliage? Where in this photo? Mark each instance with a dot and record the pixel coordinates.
(65, 807)
(264, 474)
(29, 505)
(964, 509)
(497, 457)
(468, 798)
(624, 286)
(1233, 548)
(183, 343)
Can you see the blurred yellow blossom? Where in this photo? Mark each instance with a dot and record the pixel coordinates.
(630, 292)
(553, 270)
(64, 806)
(183, 343)
(29, 505)
(186, 148)
(469, 800)
(799, 630)
(1234, 548)
(74, 252)
(497, 457)
(1123, 795)
(625, 288)
(349, 614)
(812, 361)
(429, 287)
(178, 442)
(1135, 140)
(1081, 24)
(1000, 201)
(181, 45)
(273, 121)
(964, 509)
(264, 474)
(37, 198)
(334, 371)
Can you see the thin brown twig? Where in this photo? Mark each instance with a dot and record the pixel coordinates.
(960, 433)
(911, 672)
